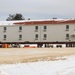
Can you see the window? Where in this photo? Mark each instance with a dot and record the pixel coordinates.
(36, 28)
(20, 28)
(36, 36)
(4, 37)
(20, 37)
(45, 36)
(5, 29)
(67, 36)
(45, 27)
(67, 27)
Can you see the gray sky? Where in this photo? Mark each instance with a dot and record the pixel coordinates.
(38, 9)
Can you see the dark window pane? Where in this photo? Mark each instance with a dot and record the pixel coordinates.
(20, 36)
(20, 28)
(36, 27)
(45, 36)
(4, 36)
(36, 36)
(67, 35)
(45, 27)
(4, 28)
(67, 26)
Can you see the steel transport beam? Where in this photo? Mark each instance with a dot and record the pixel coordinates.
(37, 42)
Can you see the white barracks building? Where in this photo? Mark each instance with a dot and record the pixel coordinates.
(53, 31)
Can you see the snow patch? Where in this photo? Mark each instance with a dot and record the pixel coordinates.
(3, 73)
(60, 67)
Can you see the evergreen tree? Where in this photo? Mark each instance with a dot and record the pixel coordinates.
(15, 17)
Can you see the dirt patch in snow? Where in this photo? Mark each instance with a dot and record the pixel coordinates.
(21, 55)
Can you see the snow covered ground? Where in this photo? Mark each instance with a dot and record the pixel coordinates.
(59, 67)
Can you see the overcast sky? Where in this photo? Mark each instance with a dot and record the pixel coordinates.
(38, 9)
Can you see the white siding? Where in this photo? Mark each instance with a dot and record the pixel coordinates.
(56, 32)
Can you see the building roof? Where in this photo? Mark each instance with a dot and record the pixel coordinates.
(35, 22)
(53, 21)
(9, 22)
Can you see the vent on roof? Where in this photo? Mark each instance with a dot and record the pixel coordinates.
(54, 18)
